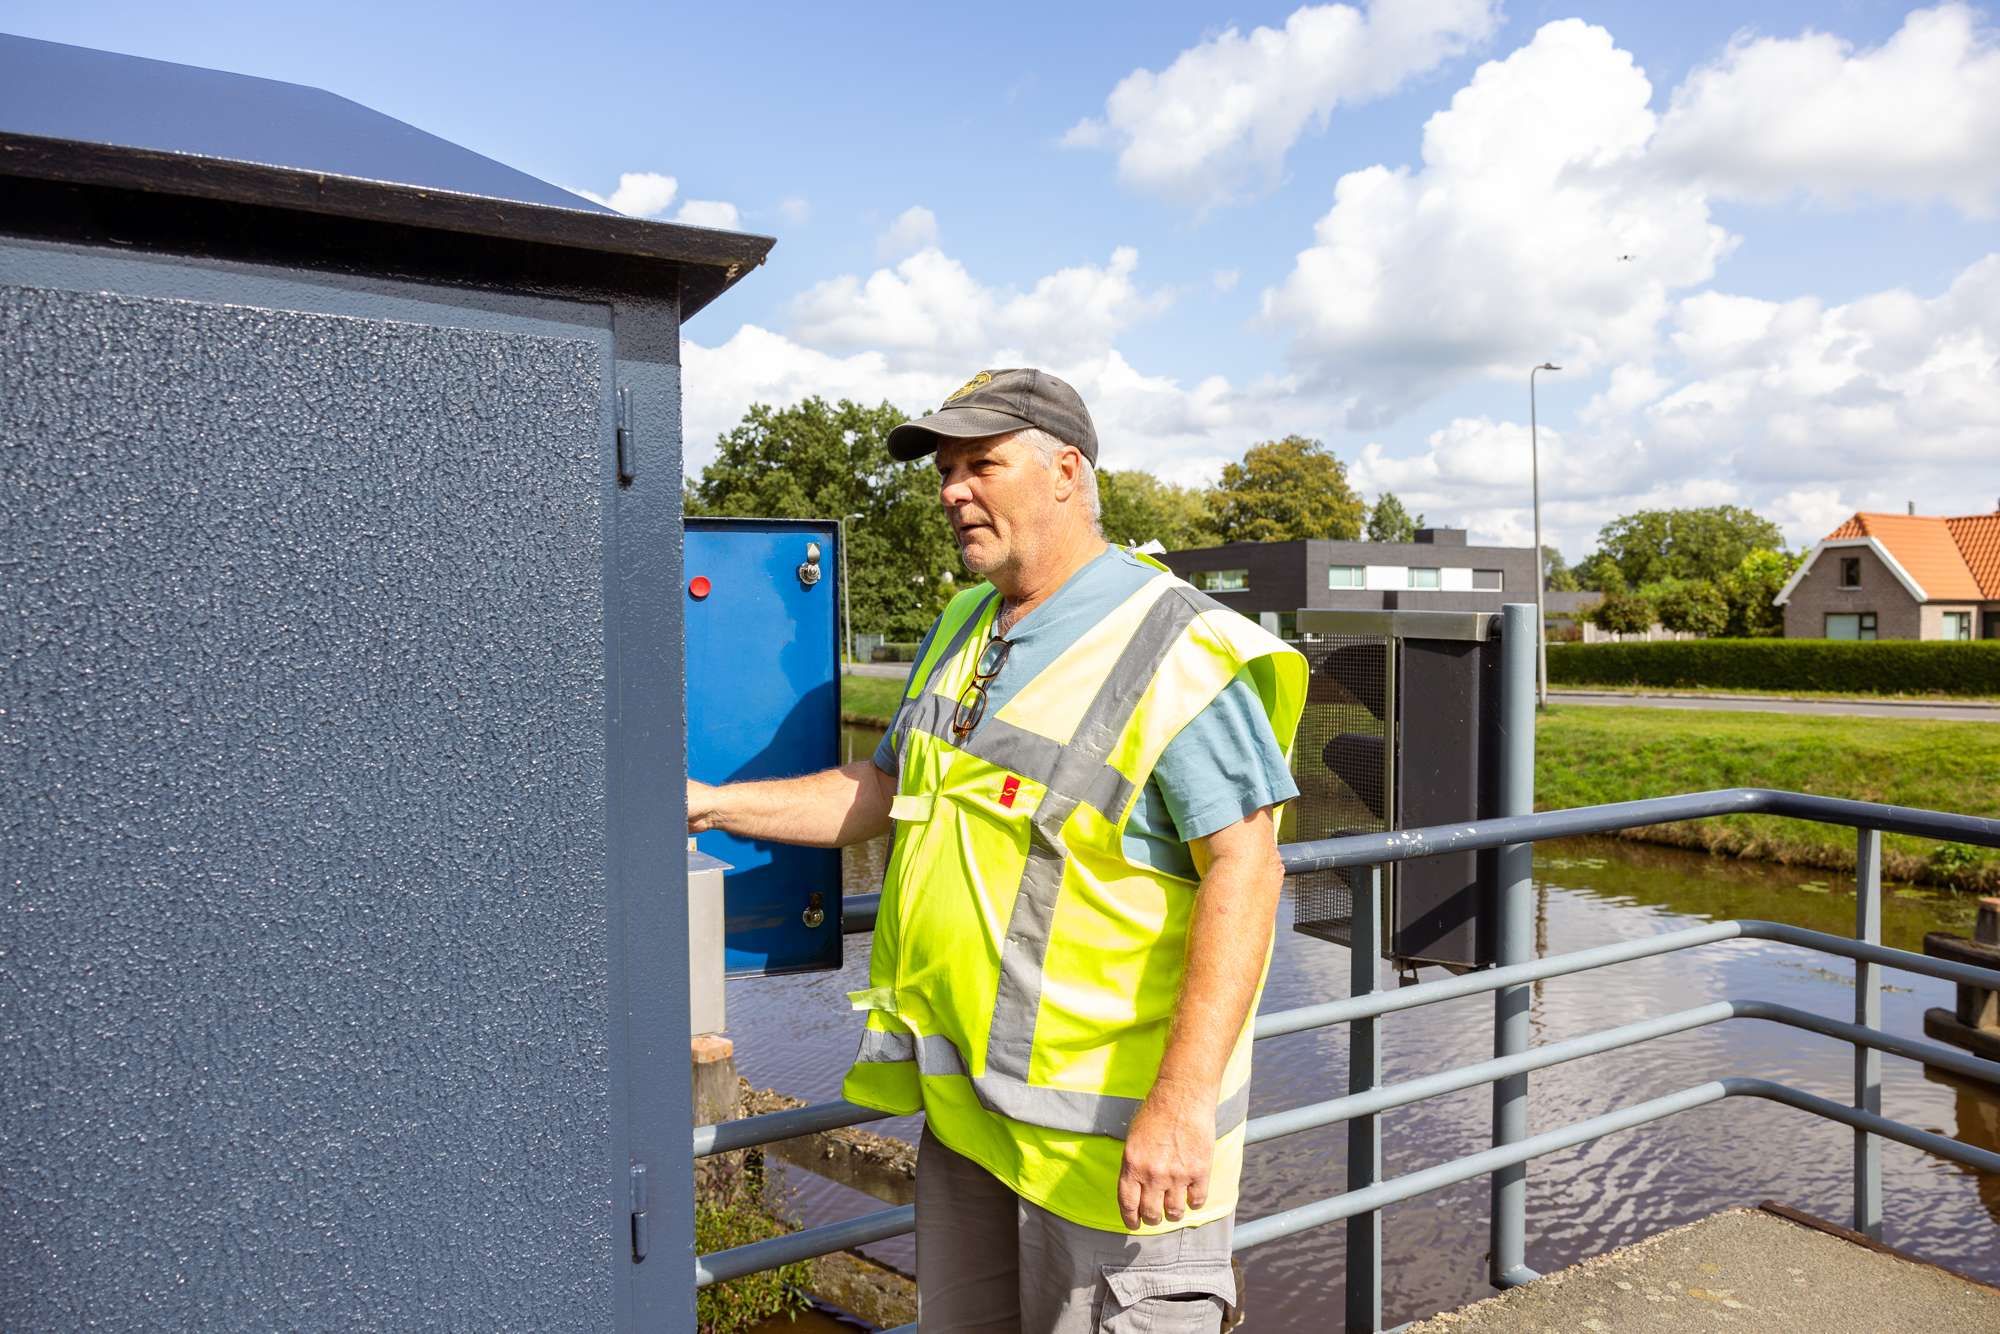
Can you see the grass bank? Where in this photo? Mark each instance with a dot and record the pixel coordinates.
(1586, 756)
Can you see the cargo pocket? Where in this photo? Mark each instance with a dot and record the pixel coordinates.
(1187, 1297)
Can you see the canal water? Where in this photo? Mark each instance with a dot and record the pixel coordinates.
(796, 1034)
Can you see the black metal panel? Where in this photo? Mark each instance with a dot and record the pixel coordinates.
(1449, 698)
(72, 92)
(308, 978)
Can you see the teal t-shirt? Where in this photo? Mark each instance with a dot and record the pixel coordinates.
(1223, 766)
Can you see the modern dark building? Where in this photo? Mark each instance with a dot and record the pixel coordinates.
(1437, 572)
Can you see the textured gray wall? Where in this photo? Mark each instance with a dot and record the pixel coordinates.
(303, 974)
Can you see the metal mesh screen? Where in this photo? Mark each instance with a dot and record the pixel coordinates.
(1340, 763)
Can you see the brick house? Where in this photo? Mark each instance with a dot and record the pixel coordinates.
(1899, 576)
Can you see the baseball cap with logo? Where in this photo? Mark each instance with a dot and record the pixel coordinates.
(994, 402)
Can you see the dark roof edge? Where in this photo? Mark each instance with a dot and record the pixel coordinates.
(75, 162)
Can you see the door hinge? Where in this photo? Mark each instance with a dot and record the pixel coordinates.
(624, 435)
(642, 1239)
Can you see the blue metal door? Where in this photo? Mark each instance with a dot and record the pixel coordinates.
(763, 701)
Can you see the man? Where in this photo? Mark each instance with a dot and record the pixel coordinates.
(1084, 780)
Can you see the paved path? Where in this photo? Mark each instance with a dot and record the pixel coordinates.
(899, 671)
(1746, 1270)
(1834, 708)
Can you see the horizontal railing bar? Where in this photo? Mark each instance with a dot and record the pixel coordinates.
(769, 1128)
(1272, 1227)
(857, 913)
(1280, 1022)
(721, 1266)
(1405, 844)
(752, 1131)
(1390, 1096)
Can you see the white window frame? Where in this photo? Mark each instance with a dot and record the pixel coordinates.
(1208, 581)
(1416, 571)
(1864, 626)
(1359, 574)
(1498, 585)
(1964, 620)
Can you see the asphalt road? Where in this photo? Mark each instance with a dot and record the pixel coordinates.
(1832, 708)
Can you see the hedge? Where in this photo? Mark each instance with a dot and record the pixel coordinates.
(1879, 667)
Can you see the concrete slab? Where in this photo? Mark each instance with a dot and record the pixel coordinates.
(1744, 1269)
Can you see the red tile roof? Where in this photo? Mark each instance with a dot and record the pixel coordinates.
(1951, 559)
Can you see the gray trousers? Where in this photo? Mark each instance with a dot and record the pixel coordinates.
(989, 1261)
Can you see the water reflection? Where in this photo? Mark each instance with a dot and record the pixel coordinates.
(797, 1034)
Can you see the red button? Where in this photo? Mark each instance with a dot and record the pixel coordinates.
(698, 586)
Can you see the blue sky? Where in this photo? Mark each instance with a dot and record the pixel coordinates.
(1358, 222)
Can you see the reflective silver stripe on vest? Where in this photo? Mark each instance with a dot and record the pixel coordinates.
(1024, 953)
(1057, 1109)
(1029, 754)
(899, 726)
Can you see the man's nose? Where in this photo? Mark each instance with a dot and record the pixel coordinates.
(953, 491)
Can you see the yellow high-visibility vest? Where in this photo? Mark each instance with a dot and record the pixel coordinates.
(1025, 968)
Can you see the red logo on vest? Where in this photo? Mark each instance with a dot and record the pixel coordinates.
(1008, 790)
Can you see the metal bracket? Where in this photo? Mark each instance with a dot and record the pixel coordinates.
(809, 567)
(642, 1232)
(624, 436)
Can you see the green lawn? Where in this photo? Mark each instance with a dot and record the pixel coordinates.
(1589, 755)
(870, 699)
(1585, 756)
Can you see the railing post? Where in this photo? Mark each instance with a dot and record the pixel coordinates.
(1515, 938)
(1868, 1013)
(1364, 1133)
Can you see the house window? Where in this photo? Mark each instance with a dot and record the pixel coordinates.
(1957, 625)
(1850, 571)
(1423, 578)
(1851, 625)
(1222, 581)
(1345, 576)
(1486, 579)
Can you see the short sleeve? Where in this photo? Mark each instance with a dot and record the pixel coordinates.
(1224, 766)
(885, 749)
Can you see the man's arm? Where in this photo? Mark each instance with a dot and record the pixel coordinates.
(1171, 1143)
(829, 809)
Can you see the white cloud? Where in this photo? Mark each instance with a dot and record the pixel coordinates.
(912, 333)
(1916, 118)
(795, 210)
(1217, 123)
(929, 310)
(1225, 280)
(914, 229)
(1504, 249)
(640, 194)
(709, 213)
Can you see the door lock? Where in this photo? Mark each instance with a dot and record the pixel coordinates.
(814, 913)
(809, 567)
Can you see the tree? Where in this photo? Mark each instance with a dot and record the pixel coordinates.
(1599, 573)
(1685, 543)
(1138, 508)
(1390, 522)
(1622, 613)
(1284, 490)
(819, 461)
(1749, 589)
(1693, 606)
(1561, 578)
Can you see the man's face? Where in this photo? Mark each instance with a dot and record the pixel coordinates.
(1000, 499)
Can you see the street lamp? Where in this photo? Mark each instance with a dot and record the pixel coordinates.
(1541, 614)
(846, 615)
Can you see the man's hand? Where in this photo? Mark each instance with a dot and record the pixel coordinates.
(701, 806)
(1168, 1152)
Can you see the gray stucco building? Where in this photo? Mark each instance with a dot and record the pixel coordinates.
(1437, 572)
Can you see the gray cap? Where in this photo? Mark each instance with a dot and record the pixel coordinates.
(994, 402)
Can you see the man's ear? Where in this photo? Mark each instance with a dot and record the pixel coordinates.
(1069, 472)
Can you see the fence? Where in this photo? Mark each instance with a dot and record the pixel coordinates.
(1511, 1147)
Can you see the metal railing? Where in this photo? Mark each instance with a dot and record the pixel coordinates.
(1511, 1147)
